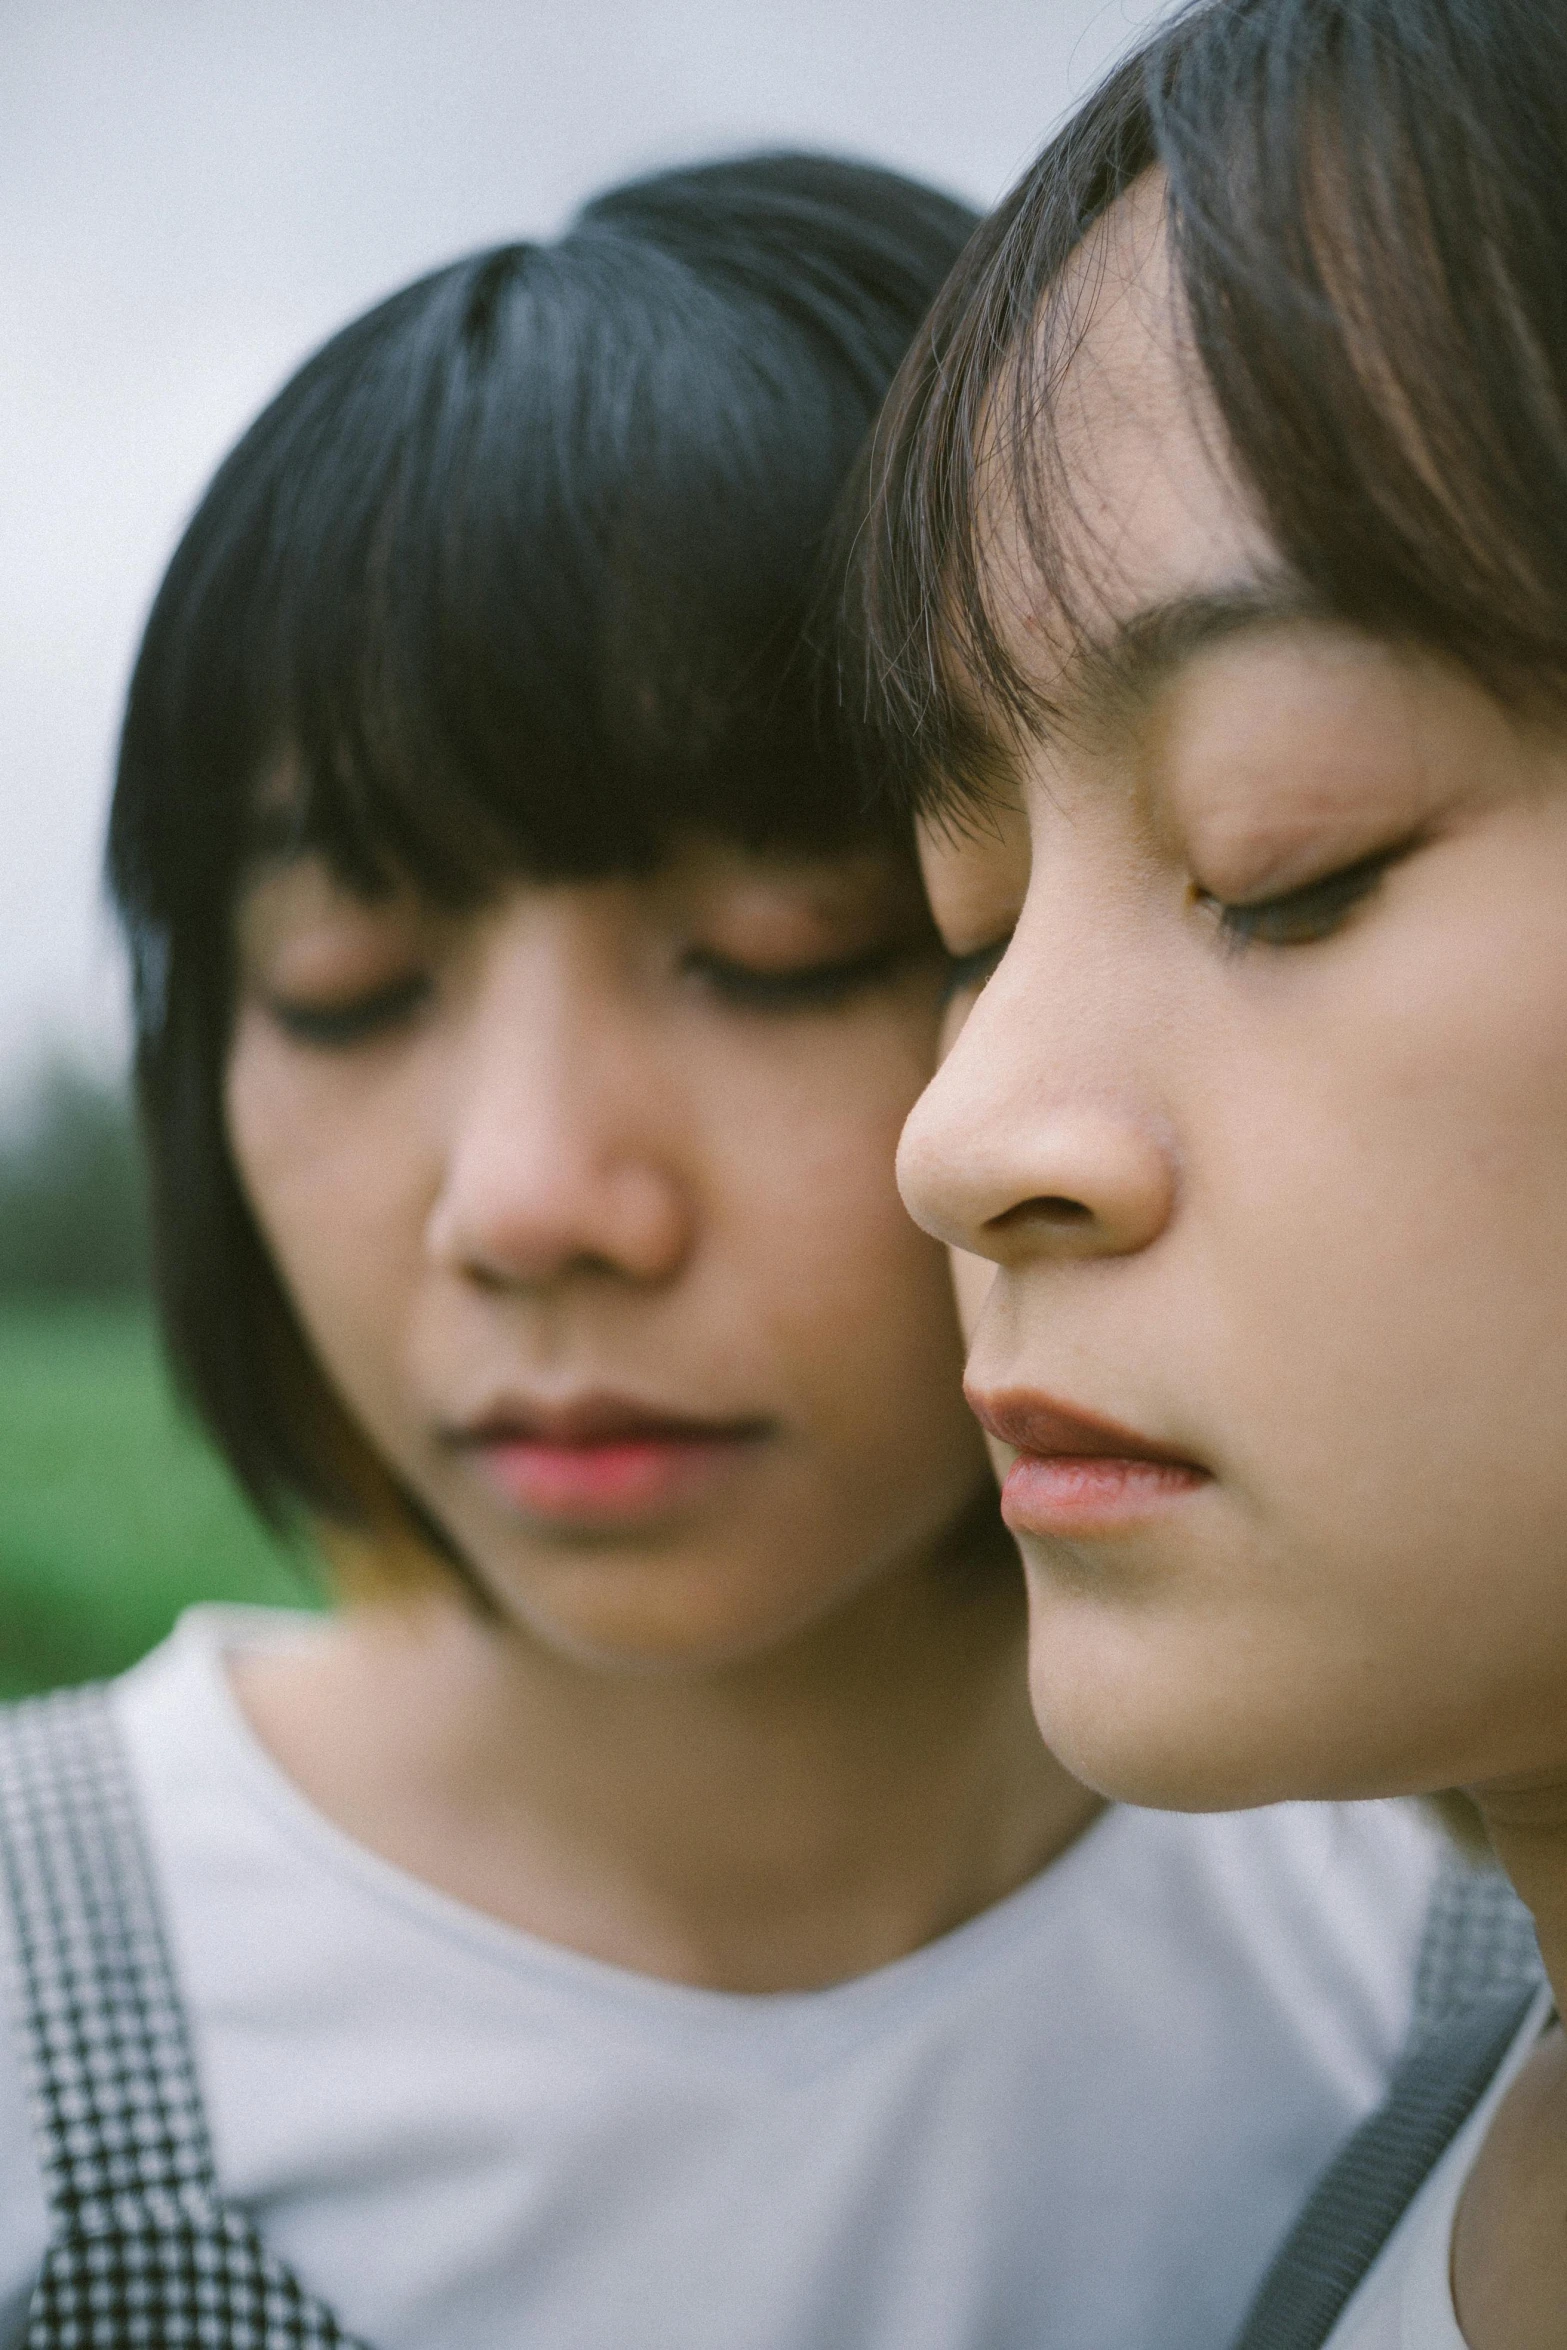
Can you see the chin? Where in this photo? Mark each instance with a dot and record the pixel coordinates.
(1143, 1723)
(656, 1631)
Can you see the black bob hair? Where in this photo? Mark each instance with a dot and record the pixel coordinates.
(511, 577)
(1366, 204)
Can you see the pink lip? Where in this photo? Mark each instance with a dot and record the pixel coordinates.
(601, 1461)
(1077, 1473)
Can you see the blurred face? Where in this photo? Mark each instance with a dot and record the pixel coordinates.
(586, 1202)
(1253, 1130)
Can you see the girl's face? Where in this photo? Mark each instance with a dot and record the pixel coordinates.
(1260, 1120)
(586, 1203)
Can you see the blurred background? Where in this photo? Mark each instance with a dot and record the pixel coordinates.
(193, 193)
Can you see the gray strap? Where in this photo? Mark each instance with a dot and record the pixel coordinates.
(1478, 1969)
(1476, 1972)
(1366, 2192)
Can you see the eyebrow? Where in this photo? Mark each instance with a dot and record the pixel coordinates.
(1113, 676)
(1108, 680)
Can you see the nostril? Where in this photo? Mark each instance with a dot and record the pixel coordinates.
(1050, 1208)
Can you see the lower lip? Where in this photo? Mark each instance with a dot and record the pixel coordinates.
(1083, 1493)
(610, 1483)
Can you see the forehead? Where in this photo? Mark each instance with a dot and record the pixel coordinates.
(1106, 489)
(1113, 536)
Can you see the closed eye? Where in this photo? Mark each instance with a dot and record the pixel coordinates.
(805, 988)
(1302, 917)
(334, 1026)
(967, 974)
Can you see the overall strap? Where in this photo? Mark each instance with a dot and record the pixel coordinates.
(1478, 1970)
(1366, 2191)
(1478, 1939)
(144, 2253)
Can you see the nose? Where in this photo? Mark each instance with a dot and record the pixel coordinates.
(561, 1155)
(1029, 1142)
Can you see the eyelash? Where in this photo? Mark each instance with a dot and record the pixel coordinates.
(1296, 917)
(970, 971)
(816, 987)
(334, 1027)
(1304, 916)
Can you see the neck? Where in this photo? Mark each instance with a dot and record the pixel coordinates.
(1509, 2262)
(780, 1824)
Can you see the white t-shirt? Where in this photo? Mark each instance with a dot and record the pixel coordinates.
(1405, 2299)
(1083, 2119)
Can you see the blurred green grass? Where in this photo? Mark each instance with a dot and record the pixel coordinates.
(114, 1514)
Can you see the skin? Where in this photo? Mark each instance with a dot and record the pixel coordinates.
(1268, 1168)
(636, 1136)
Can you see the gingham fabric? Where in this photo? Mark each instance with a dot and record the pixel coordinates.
(1479, 1939)
(144, 2254)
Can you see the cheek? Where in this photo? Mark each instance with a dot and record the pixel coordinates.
(330, 1177)
(1386, 1287)
(867, 1334)
(971, 1285)
(856, 1301)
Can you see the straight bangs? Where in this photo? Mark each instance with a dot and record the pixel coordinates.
(1366, 206)
(508, 581)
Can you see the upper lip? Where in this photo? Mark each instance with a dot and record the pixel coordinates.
(596, 1418)
(1038, 1424)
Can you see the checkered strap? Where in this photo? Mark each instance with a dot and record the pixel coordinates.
(144, 2255)
(1479, 1939)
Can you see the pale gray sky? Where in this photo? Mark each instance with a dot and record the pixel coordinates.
(194, 192)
